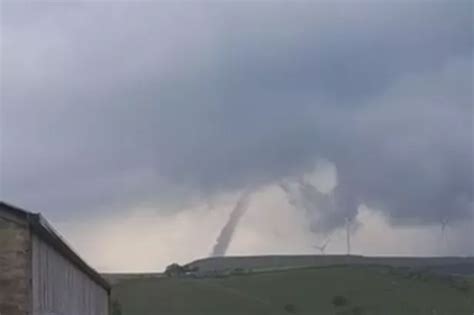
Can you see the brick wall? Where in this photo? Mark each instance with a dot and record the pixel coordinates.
(14, 267)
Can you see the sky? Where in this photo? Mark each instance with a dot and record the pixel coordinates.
(135, 126)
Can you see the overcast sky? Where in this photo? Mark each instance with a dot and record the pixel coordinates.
(142, 122)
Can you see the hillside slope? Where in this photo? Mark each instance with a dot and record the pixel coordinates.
(452, 265)
(324, 290)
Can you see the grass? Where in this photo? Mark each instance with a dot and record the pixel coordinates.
(341, 290)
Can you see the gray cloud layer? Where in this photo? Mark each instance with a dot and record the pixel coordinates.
(108, 104)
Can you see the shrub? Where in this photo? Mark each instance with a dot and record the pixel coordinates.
(290, 308)
(340, 300)
(357, 310)
(174, 270)
(461, 285)
(116, 308)
(238, 271)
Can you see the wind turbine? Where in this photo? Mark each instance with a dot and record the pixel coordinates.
(443, 242)
(348, 234)
(322, 247)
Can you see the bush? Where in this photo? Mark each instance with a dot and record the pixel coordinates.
(174, 270)
(238, 271)
(357, 310)
(340, 300)
(290, 308)
(116, 308)
(461, 285)
(353, 311)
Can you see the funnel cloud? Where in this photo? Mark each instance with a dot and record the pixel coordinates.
(225, 236)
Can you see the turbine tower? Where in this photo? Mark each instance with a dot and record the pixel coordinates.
(443, 244)
(348, 235)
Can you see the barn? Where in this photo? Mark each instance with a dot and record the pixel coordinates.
(40, 274)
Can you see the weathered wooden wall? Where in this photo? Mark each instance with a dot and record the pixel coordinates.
(14, 266)
(59, 287)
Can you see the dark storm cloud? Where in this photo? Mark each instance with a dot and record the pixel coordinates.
(107, 104)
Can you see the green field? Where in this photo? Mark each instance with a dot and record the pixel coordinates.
(324, 290)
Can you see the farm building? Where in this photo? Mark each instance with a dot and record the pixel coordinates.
(40, 274)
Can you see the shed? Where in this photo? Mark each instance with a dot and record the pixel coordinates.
(39, 272)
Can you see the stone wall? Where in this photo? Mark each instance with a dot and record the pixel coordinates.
(14, 266)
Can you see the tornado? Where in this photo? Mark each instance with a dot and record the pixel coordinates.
(227, 232)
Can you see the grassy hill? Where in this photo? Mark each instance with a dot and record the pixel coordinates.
(452, 265)
(341, 290)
